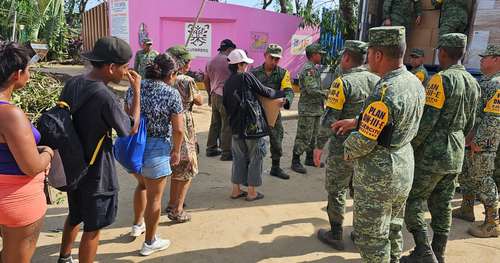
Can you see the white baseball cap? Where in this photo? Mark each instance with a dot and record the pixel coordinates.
(238, 56)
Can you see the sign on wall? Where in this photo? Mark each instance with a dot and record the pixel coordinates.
(260, 40)
(299, 44)
(119, 19)
(200, 43)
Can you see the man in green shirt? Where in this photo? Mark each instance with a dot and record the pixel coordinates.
(144, 56)
(277, 78)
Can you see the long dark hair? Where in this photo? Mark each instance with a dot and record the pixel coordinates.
(12, 59)
(162, 66)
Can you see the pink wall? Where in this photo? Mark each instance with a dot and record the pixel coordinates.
(165, 21)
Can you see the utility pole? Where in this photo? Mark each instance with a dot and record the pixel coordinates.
(14, 27)
(195, 22)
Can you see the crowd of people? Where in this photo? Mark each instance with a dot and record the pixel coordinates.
(397, 140)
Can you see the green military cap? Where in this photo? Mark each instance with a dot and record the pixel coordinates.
(315, 48)
(355, 46)
(180, 53)
(417, 52)
(383, 36)
(491, 50)
(452, 40)
(147, 41)
(274, 50)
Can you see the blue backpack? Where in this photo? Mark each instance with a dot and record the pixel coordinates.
(129, 150)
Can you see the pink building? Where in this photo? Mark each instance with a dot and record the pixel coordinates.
(169, 22)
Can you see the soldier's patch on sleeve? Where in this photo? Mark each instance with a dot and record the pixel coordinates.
(375, 118)
(336, 97)
(311, 73)
(434, 92)
(286, 82)
(493, 105)
(420, 75)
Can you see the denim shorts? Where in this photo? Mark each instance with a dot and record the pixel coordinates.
(156, 160)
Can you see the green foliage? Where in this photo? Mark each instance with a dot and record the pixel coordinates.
(44, 20)
(40, 94)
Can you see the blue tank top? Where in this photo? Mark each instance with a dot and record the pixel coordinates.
(8, 164)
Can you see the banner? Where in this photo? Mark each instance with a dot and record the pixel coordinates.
(119, 19)
(200, 43)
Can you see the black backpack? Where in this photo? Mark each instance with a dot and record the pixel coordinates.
(252, 116)
(58, 132)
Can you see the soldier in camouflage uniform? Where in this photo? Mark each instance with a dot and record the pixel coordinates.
(451, 100)
(311, 106)
(454, 16)
(144, 56)
(400, 13)
(477, 178)
(417, 64)
(381, 148)
(345, 101)
(278, 78)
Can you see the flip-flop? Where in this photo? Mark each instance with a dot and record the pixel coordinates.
(258, 197)
(242, 194)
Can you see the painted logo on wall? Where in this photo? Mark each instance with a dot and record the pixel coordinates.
(299, 44)
(260, 40)
(200, 39)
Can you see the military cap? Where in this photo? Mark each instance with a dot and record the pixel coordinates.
(417, 52)
(110, 50)
(274, 50)
(383, 36)
(356, 46)
(147, 41)
(180, 53)
(491, 50)
(315, 48)
(452, 40)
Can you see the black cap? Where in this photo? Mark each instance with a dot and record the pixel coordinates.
(110, 50)
(226, 44)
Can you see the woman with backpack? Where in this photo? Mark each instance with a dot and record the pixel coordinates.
(23, 164)
(161, 106)
(248, 124)
(183, 173)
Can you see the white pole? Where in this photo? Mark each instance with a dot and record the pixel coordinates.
(14, 27)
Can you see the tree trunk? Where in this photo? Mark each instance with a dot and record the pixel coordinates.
(283, 6)
(349, 18)
(265, 3)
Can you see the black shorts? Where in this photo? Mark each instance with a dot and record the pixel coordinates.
(95, 211)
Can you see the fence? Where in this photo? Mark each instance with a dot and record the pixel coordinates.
(331, 37)
(95, 25)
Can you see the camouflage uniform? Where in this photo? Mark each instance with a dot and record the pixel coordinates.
(401, 12)
(142, 59)
(451, 99)
(454, 16)
(383, 156)
(345, 101)
(420, 71)
(279, 79)
(311, 107)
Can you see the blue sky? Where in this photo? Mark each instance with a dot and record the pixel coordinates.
(251, 3)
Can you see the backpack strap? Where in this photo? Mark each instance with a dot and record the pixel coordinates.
(96, 151)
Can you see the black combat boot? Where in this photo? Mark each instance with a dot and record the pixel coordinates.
(333, 238)
(276, 171)
(297, 166)
(422, 252)
(439, 246)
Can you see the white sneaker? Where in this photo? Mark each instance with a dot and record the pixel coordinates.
(137, 230)
(158, 245)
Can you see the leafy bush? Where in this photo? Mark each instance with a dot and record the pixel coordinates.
(40, 94)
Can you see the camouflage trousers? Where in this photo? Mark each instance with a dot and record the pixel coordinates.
(496, 173)
(477, 177)
(307, 131)
(276, 139)
(380, 192)
(338, 176)
(436, 190)
(453, 26)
